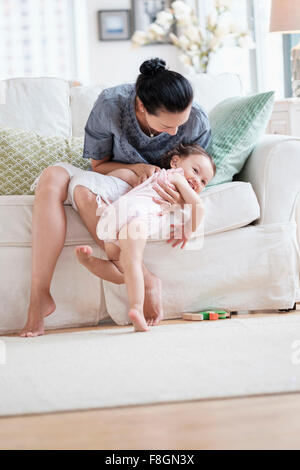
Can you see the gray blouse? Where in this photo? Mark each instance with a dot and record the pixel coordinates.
(112, 129)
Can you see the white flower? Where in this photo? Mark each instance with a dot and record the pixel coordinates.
(183, 19)
(222, 30)
(246, 42)
(140, 38)
(192, 33)
(155, 32)
(201, 37)
(164, 19)
(196, 44)
(211, 19)
(223, 3)
(235, 28)
(194, 49)
(196, 61)
(174, 39)
(183, 41)
(185, 59)
(181, 7)
(214, 42)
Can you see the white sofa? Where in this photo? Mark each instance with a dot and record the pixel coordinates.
(250, 256)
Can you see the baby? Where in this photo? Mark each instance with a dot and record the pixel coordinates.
(135, 216)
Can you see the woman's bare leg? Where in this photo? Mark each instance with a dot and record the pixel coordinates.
(131, 258)
(87, 208)
(48, 236)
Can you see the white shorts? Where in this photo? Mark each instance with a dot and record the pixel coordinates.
(107, 188)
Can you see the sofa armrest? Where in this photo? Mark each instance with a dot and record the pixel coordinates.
(273, 169)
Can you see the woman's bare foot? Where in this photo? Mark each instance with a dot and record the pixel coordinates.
(40, 307)
(138, 320)
(153, 300)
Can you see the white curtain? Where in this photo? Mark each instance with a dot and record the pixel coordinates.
(37, 38)
(269, 51)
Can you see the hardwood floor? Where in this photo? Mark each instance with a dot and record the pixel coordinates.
(261, 422)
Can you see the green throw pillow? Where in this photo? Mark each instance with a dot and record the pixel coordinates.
(237, 124)
(24, 154)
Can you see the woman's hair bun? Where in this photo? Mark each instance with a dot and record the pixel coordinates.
(152, 66)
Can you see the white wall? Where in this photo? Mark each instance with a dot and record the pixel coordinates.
(115, 62)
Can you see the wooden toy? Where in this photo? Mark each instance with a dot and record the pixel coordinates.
(222, 316)
(214, 316)
(211, 315)
(222, 313)
(192, 316)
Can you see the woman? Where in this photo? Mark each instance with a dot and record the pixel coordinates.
(128, 125)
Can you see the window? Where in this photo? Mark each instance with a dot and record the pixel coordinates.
(289, 41)
(37, 38)
(269, 51)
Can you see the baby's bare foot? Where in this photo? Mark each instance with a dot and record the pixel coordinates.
(84, 254)
(39, 308)
(153, 300)
(138, 320)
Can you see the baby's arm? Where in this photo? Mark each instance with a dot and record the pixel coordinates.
(190, 197)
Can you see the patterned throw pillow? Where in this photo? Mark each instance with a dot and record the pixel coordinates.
(237, 124)
(24, 154)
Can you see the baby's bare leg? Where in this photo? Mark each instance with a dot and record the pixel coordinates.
(153, 287)
(153, 308)
(131, 258)
(104, 269)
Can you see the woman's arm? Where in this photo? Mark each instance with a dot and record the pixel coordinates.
(104, 166)
(142, 170)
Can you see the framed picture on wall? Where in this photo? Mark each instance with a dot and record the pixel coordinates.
(114, 25)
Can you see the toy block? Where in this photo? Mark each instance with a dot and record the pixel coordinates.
(192, 316)
(213, 316)
(222, 316)
(221, 313)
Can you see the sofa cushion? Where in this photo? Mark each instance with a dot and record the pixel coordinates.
(82, 99)
(24, 154)
(227, 207)
(209, 90)
(237, 124)
(38, 104)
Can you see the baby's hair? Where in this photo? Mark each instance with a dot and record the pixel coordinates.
(184, 150)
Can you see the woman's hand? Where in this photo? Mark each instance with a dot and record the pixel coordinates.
(143, 171)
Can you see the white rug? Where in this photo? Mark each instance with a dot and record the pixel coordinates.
(113, 367)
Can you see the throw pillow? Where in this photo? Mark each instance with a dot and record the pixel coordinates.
(24, 154)
(237, 124)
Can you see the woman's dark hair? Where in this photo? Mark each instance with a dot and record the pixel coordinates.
(159, 88)
(184, 150)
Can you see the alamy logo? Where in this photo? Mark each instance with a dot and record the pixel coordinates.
(2, 92)
(2, 353)
(175, 225)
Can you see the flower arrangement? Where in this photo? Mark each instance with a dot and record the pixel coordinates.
(197, 45)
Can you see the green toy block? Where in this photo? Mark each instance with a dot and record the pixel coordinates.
(223, 314)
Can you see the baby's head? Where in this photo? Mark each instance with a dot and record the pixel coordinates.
(199, 167)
